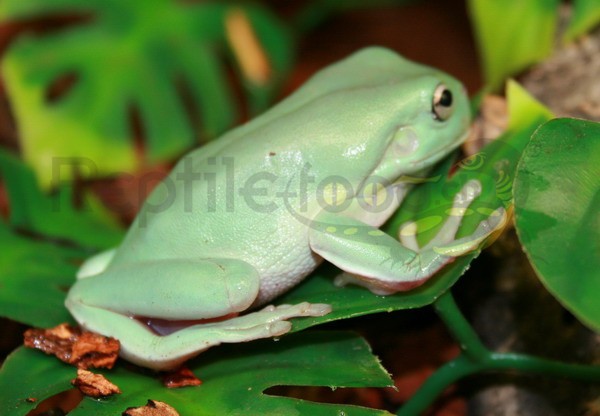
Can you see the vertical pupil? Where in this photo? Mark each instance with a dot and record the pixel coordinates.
(446, 98)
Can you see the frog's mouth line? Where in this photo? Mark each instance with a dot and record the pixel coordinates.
(420, 163)
(444, 150)
(164, 327)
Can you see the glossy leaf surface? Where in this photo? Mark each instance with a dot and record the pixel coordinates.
(557, 195)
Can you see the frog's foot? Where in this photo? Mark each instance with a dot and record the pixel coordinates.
(272, 321)
(144, 347)
(495, 222)
(445, 242)
(274, 318)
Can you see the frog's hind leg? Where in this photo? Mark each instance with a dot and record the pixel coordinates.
(143, 347)
(199, 297)
(176, 289)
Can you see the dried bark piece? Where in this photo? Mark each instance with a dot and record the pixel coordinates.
(152, 408)
(82, 349)
(94, 385)
(182, 377)
(490, 123)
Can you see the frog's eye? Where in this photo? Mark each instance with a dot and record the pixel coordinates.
(442, 105)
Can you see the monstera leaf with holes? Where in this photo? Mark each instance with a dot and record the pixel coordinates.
(234, 377)
(75, 89)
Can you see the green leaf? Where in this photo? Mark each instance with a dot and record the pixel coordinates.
(34, 279)
(352, 301)
(557, 199)
(234, 379)
(428, 205)
(129, 56)
(586, 15)
(43, 244)
(512, 34)
(54, 215)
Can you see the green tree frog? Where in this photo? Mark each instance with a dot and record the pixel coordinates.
(248, 216)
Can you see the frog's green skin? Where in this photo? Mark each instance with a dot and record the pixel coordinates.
(203, 249)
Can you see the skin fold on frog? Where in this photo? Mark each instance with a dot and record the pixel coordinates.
(248, 216)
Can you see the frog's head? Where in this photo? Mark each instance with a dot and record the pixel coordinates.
(434, 120)
(384, 114)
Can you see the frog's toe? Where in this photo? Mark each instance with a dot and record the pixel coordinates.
(318, 309)
(302, 309)
(279, 328)
(486, 228)
(407, 234)
(471, 190)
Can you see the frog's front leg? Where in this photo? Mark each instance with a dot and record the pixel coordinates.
(379, 262)
(445, 241)
(207, 291)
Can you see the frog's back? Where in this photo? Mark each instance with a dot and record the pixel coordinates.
(212, 204)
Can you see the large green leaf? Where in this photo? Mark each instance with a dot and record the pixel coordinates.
(586, 15)
(43, 244)
(54, 215)
(129, 55)
(234, 379)
(352, 301)
(512, 34)
(557, 198)
(34, 279)
(428, 204)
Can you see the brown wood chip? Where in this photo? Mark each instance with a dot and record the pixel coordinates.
(82, 349)
(153, 408)
(94, 385)
(182, 377)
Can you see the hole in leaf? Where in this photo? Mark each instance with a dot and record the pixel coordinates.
(234, 79)
(192, 109)
(39, 26)
(362, 396)
(12, 336)
(138, 134)
(8, 129)
(568, 318)
(60, 87)
(59, 404)
(118, 194)
(79, 189)
(4, 203)
(63, 288)
(37, 236)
